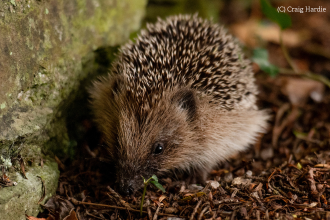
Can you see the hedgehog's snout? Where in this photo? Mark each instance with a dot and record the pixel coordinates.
(128, 181)
(126, 188)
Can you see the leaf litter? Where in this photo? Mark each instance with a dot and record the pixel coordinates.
(285, 175)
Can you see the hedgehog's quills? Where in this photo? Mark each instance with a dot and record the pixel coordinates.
(182, 97)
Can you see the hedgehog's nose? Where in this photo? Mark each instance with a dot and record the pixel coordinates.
(126, 190)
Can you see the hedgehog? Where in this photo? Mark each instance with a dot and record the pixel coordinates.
(181, 98)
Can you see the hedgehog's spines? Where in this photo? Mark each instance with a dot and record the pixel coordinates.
(200, 49)
(185, 84)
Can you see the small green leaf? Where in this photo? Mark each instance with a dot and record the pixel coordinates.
(260, 57)
(154, 177)
(282, 19)
(158, 185)
(144, 180)
(300, 135)
(299, 166)
(13, 2)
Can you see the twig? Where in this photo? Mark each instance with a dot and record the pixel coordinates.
(76, 202)
(257, 178)
(225, 212)
(184, 209)
(148, 209)
(280, 126)
(156, 213)
(317, 77)
(286, 54)
(202, 212)
(267, 215)
(117, 197)
(206, 187)
(78, 212)
(233, 216)
(278, 190)
(295, 191)
(284, 164)
(213, 213)
(229, 200)
(92, 215)
(321, 192)
(195, 209)
(258, 214)
(305, 74)
(60, 164)
(43, 190)
(21, 161)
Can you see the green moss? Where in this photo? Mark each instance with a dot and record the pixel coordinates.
(66, 127)
(43, 59)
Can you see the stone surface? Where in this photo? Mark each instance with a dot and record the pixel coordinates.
(43, 46)
(23, 198)
(49, 50)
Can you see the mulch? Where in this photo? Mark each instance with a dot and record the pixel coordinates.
(285, 175)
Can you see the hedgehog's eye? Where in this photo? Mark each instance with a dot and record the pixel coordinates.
(159, 148)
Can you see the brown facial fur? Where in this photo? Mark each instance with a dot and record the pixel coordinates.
(183, 84)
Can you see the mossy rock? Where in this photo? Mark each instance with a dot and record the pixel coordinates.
(49, 51)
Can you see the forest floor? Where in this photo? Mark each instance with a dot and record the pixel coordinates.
(285, 175)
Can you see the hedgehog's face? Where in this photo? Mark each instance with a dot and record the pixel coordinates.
(156, 142)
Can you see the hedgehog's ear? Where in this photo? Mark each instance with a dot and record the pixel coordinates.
(186, 100)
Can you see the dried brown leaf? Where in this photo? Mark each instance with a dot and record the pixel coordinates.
(72, 216)
(299, 90)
